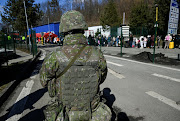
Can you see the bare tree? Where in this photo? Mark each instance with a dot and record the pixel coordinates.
(91, 9)
(52, 11)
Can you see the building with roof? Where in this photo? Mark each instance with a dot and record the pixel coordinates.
(51, 27)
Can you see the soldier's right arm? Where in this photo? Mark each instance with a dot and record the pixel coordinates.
(102, 67)
(49, 68)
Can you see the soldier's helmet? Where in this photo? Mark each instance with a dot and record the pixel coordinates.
(72, 20)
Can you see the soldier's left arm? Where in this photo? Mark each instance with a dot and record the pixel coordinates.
(49, 69)
(102, 67)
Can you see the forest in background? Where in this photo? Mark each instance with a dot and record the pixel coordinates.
(139, 14)
(91, 9)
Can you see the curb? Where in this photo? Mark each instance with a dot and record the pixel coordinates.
(11, 87)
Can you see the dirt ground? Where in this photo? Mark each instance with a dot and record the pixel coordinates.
(159, 58)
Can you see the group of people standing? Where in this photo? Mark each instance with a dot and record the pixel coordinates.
(101, 40)
(145, 41)
(148, 41)
(133, 41)
(109, 41)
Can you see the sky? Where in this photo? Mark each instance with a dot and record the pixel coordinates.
(3, 2)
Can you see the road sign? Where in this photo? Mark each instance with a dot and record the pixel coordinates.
(125, 31)
(119, 31)
(173, 17)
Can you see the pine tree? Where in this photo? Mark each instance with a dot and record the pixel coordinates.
(14, 14)
(140, 17)
(110, 16)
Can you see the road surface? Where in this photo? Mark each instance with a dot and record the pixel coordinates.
(137, 91)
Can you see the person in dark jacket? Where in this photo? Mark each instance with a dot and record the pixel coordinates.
(131, 40)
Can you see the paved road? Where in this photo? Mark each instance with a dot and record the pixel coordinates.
(141, 91)
(144, 90)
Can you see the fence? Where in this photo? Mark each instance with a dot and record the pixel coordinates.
(9, 43)
(114, 31)
(140, 31)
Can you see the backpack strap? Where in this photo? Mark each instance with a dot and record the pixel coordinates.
(71, 62)
(68, 66)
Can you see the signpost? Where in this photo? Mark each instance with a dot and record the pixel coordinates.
(121, 41)
(125, 34)
(125, 31)
(173, 17)
(155, 38)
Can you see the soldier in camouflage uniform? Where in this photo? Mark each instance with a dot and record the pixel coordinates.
(73, 75)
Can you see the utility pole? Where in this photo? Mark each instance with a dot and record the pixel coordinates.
(123, 18)
(155, 31)
(27, 26)
(121, 41)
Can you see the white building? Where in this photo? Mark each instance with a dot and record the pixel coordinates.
(92, 30)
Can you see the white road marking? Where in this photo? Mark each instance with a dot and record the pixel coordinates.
(114, 63)
(164, 67)
(17, 109)
(166, 77)
(116, 74)
(164, 99)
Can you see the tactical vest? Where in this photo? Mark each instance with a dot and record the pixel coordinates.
(78, 87)
(77, 90)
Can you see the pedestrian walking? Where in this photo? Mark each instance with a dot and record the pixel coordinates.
(134, 42)
(168, 38)
(114, 41)
(109, 41)
(90, 40)
(117, 41)
(152, 41)
(73, 76)
(137, 43)
(102, 41)
(141, 41)
(23, 39)
(149, 41)
(145, 41)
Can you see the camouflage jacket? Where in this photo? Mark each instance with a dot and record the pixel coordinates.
(56, 61)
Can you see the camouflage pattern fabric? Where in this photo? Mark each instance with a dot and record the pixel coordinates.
(52, 110)
(53, 62)
(101, 113)
(77, 90)
(72, 20)
(77, 85)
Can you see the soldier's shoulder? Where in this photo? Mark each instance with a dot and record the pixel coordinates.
(50, 58)
(97, 51)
